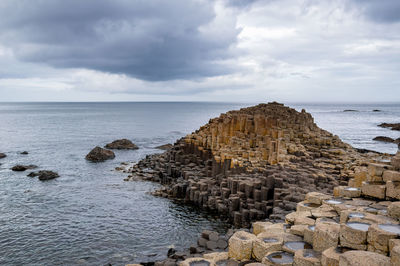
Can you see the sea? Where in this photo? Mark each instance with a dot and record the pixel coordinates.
(89, 215)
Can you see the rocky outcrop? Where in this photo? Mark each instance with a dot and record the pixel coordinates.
(99, 154)
(21, 168)
(349, 227)
(392, 126)
(122, 144)
(251, 164)
(2, 155)
(44, 175)
(24, 153)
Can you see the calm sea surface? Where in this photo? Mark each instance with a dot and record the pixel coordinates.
(89, 215)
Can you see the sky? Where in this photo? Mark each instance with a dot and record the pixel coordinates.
(200, 50)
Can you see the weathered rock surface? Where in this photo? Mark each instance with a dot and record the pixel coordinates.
(122, 144)
(21, 168)
(99, 154)
(44, 175)
(250, 164)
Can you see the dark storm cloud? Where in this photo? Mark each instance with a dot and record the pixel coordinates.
(150, 40)
(384, 11)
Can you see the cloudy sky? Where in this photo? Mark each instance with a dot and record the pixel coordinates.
(200, 50)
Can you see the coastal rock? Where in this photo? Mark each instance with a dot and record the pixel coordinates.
(21, 168)
(24, 153)
(384, 139)
(392, 126)
(122, 144)
(44, 175)
(2, 155)
(254, 163)
(99, 154)
(165, 147)
(241, 245)
(362, 258)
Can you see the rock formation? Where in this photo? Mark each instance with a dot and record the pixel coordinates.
(44, 175)
(2, 155)
(21, 168)
(392, 126)
(99, 155)
(251, 164)
(122, 144)
(357, 225)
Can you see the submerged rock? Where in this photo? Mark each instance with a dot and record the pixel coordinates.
(44, 175)
(99, 154)
(2, 155)
(122, 144)
(384, 139)
(21, 168)
(165, 147)
(24, 153)
(350, 110)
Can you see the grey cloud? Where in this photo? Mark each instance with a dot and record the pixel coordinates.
(149, 40)
(383, 11)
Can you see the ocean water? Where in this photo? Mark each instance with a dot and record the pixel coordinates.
(89, 215)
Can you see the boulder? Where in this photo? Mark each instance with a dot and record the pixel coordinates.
(99, 154)
(122, 144)
(21, 168)
(24, 153)
(2, 155)
(241, 245)
(47, 175)
(44, 175)
(362, 258)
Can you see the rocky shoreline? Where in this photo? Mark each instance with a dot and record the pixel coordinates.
(270, 163)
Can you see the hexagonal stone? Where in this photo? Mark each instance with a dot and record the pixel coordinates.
(241, 245)
(362, 258)
(354, 235)
(266, 243)
(380, 234)
(307, 257)
(326, 235)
